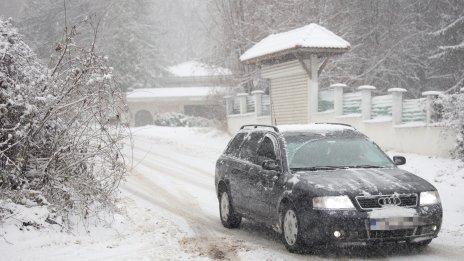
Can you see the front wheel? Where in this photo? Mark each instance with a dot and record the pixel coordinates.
(291, 231)
(229, 218)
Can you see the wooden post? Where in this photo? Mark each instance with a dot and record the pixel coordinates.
(243, 102)
(338, 98)
(366, 101)
(397, 105)
(430, 95)
(229, 104)
(258, 94)
(313, 91)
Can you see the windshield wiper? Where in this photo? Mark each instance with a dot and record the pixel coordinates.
(364, 167)
(314, 168)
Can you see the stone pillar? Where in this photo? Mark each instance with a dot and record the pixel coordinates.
(229, 104)
(258, 94)
(366, 101)
(430, 95)
(338, 98)
(313, 91)
(243, 103)
(397, 104)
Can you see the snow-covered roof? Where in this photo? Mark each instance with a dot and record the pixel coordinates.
(320, 128)
(193, 68)
(313, 37)
(173, 93)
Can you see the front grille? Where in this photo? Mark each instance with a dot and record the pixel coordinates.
(370, 202)
(383, 234)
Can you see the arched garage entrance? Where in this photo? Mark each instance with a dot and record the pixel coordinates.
(143, 118)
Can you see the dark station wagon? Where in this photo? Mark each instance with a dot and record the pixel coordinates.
(322, 184)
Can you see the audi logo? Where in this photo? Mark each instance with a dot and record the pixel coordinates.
(389, 201)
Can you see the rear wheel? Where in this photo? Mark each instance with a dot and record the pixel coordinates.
(291, 232)
(229, 218)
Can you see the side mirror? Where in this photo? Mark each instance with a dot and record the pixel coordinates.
(399, 160)
(271, 165)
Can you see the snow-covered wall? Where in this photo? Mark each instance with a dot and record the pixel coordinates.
(419, 138)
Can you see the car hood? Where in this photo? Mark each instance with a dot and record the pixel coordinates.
(361, 181)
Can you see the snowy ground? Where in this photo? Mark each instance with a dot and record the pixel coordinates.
(173, 212)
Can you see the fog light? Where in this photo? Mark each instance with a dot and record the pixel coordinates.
(434, 228)
(337, 234)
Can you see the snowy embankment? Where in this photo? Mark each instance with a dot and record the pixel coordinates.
(171, 211)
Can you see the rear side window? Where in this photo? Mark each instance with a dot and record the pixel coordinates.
(250, 146)
(234, 144)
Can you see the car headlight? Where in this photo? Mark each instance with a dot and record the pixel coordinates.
(338, 202)
(429, 198)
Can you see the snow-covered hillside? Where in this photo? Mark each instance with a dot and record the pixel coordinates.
(172, 211)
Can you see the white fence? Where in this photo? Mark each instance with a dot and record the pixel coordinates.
(247, 109)
(403, 125)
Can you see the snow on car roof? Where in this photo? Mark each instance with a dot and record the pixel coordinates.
(309, 36)
(175, 92)
(320, 128)
(193, 68)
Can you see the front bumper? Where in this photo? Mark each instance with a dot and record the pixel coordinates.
(359, 228)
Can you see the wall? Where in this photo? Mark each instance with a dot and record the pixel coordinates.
(419, 138)
(234, 122)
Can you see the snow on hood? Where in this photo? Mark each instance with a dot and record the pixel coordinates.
(364, 181)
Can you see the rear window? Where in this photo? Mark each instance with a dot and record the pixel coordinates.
(234, 144)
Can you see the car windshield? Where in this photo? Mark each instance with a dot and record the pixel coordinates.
(309, 153)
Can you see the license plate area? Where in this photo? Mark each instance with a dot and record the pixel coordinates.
(393, 223)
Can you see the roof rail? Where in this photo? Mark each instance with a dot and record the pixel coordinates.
(336, 123)
(255, 126)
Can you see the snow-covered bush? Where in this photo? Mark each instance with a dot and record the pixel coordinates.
(174, 119)
(60, 128)
(449, 109)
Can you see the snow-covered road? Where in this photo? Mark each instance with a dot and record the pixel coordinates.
(173, 175)
(172, 212)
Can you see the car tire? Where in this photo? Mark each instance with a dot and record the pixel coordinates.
(291, 234)
(229, 218)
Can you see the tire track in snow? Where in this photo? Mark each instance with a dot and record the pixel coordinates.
(170, 171)
(181, 163)
(184, 206)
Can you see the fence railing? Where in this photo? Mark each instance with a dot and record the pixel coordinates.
(243, 103)
(389, 106)
(352, 103)
(265, 105)
(414, 110)
(250, 103)
(326, 100)
(381, 106)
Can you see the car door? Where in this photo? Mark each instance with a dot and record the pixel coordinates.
(230, 164)
(244, 174)
(271, 180)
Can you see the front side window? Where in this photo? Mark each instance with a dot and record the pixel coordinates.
(345, 152)
(250, 146)
(266, 151)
